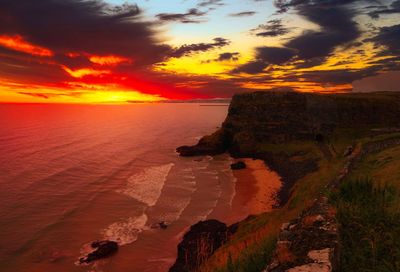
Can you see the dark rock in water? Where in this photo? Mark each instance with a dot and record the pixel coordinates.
(238, 165)
(199, 243)
(160, 225)
(103, 249)
(163, 225)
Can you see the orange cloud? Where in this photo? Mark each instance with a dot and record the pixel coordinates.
(108, 60)
(17, 43)
(79, 73)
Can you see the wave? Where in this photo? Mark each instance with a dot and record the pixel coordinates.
(127, 231)
(147, 185)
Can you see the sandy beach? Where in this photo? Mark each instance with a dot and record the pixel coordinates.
(256, 187)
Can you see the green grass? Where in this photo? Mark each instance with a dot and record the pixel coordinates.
(253, 259)
(369, 218)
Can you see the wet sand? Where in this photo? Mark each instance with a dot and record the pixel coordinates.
(256, 187)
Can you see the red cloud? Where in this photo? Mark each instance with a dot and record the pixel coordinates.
(18, 43)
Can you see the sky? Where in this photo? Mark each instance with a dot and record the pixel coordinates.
(113, 51)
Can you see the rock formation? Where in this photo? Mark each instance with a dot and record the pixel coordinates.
(199, 243)
(102, 249)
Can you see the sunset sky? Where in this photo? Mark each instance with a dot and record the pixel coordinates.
(93, 51)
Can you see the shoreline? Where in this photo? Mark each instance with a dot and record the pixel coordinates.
(257, 187)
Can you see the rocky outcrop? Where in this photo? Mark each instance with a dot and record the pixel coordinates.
(308, 243)
(102, 249)
(199, 243)
(214, 144)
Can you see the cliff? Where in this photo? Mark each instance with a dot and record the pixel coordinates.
(279, 117)
(311, 141)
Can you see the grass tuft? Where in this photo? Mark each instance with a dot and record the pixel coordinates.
(369, 218)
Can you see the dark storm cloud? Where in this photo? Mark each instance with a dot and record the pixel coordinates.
(338, 76)
(272, 28)
(390, 38)
(336, 28)
(274, 55)
(90, 26)
(264, 57)
(191, 16)
(392, 9)
(189, 49)
(253, 67)
(243, 14)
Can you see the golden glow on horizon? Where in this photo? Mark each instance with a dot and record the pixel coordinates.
(108, 60)
(78, 93)
(118, 97)
(17, 43)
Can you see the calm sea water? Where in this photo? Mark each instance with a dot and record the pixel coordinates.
(72, 174)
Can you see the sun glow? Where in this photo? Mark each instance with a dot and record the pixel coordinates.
(76, 93)
(17, 43)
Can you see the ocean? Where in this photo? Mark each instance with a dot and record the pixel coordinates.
(73, 174)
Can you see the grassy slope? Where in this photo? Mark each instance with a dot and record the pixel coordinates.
(251, 248)
(368, 210)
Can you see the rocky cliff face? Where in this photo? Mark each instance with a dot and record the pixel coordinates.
(199, 243)
(278, 117)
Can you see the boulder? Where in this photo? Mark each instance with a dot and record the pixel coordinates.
(160, 225)
(102, 249)
(238, 165)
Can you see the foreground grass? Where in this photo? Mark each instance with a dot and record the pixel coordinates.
(252, 259)
(369, 217)
(368, 205)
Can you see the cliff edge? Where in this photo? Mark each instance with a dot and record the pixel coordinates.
(279, 117)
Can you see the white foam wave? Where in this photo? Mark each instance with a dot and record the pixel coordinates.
(126, 231)
(147, 185)
(189, 177)
(178, 208)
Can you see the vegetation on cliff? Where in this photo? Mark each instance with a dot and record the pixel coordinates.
(307, 139)
(368, 205)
